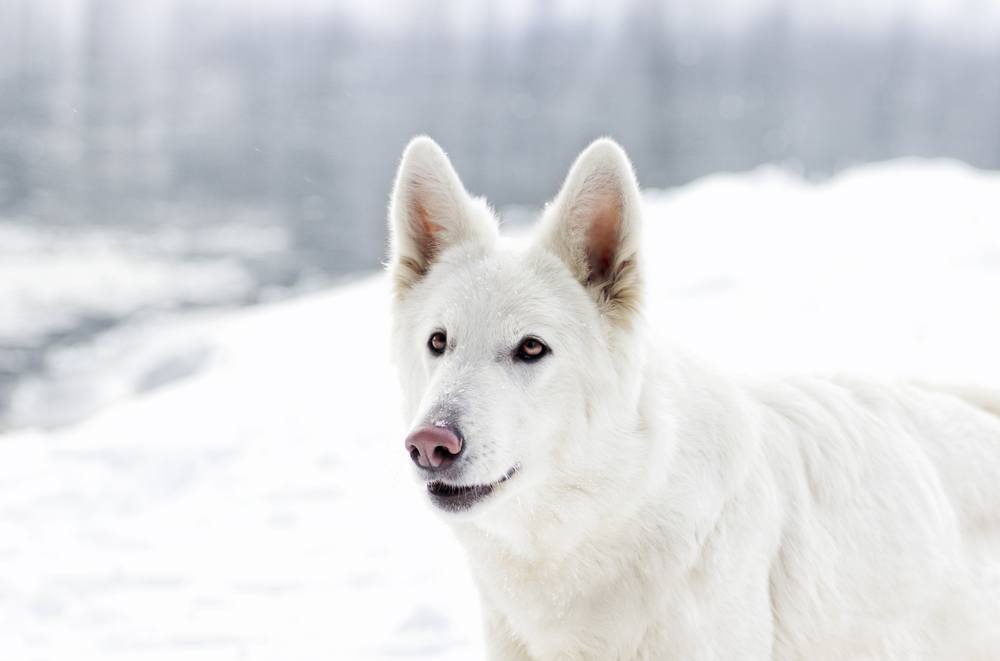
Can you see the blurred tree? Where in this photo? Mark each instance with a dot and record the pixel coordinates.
(184, 110)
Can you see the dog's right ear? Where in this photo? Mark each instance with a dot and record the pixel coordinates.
(430, 210)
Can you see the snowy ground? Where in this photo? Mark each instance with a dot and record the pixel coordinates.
(246, 496)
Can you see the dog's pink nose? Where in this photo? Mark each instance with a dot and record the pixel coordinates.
(433, 447)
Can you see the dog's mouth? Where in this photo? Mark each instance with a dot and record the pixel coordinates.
(456, 498)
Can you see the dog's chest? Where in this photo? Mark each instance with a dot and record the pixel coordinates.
(575, 611)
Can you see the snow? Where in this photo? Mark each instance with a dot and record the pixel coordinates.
(244, 493)
(886, 270)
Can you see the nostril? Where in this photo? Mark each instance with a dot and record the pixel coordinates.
(414, 453)
(443, 456)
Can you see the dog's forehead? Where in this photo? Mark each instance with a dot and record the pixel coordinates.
(502, 282)
(506, 292)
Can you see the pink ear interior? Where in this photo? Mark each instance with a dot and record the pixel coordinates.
(425, 230)
(603, 235)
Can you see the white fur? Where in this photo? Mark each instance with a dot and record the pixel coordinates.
(662, 510)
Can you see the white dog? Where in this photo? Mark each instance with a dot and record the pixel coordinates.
(618, 501)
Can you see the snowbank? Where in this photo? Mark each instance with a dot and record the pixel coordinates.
(247, 497)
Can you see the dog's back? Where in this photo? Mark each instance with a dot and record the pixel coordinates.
(892, 533)
(987, 399)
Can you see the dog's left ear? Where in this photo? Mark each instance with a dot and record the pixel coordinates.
(593, 226)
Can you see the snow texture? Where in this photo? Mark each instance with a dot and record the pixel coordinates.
(245, 493)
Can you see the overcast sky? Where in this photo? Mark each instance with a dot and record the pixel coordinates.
(969, 21)
(961, 19)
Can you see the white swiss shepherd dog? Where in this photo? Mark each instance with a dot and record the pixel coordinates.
(617, 500)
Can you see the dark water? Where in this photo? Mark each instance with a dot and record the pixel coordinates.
(32, 342)
(27, 356)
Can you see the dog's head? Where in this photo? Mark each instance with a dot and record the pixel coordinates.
(519, 369)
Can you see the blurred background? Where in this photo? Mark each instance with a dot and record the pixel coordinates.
(200, 452)
(164, 155)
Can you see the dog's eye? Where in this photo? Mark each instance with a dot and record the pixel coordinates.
(437, 343)
(530, 350)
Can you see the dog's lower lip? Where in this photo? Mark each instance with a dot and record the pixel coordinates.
(459, 497)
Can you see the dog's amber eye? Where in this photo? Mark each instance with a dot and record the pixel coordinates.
(531, 349)
(437, 343)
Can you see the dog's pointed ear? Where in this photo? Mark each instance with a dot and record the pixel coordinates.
(593, 226)
(430, 210)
